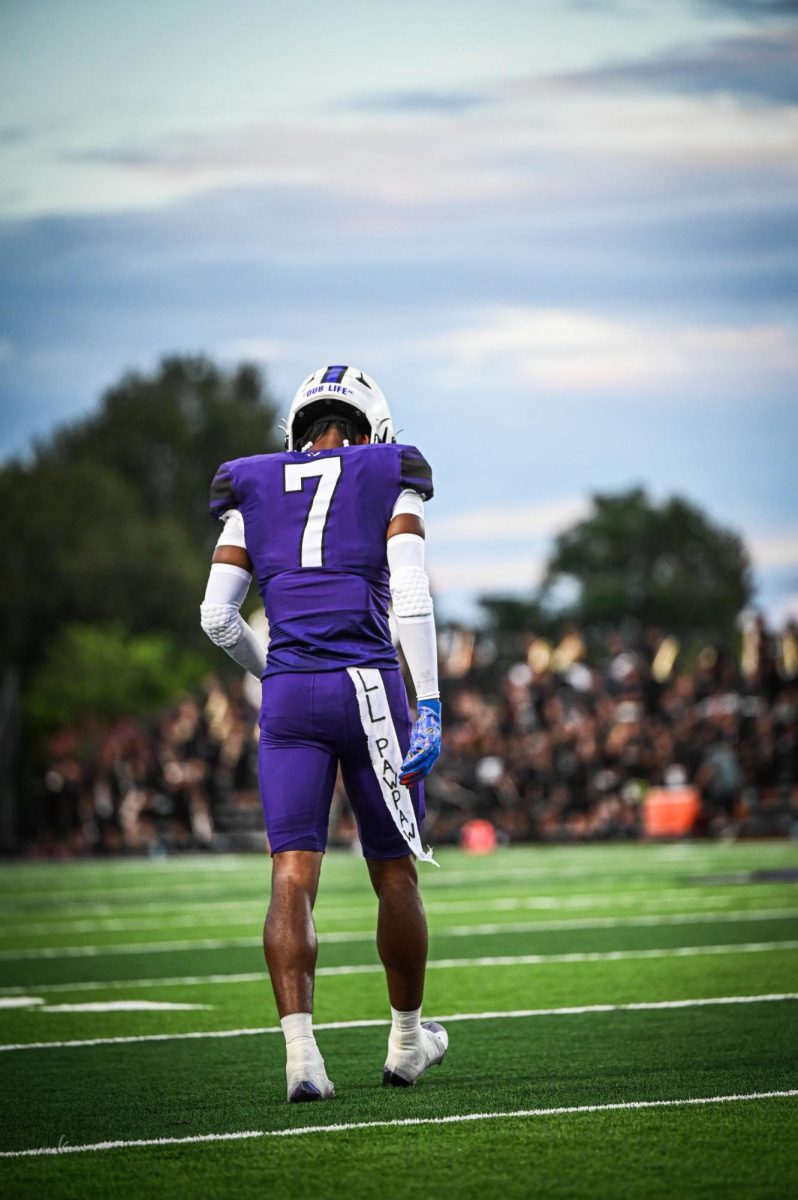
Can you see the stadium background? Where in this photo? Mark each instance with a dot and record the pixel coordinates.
(562, 238)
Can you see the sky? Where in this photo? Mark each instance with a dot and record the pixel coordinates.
(561, 235)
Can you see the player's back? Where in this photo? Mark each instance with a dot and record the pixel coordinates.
(315, 528)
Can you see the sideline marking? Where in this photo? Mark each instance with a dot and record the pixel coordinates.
(367, 935)
(300, 1131)
(506, 960)
(374, 1022)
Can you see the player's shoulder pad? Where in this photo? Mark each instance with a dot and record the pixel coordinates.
(222, 491)
(233, 479)
(415, 472)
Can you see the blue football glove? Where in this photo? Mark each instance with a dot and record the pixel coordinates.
(425, 743)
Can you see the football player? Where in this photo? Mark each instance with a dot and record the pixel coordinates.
(332, 529)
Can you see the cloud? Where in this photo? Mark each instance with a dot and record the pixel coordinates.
(515, 522)
(571, 351)
(255, 349)
(419, 102)
(755, 8)
(651, 133)
(487, 575)
(773, 550)
(762, 66)
(10, 135)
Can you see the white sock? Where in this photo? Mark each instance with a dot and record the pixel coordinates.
(300, 1044)
(405, 1028)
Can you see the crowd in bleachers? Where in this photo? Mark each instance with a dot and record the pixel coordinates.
(546, 741)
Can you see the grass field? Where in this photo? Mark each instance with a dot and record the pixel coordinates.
(623, 1022)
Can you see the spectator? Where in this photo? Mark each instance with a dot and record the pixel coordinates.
(549, 747)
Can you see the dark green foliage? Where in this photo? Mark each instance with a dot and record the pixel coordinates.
(109, 521)
(166, 434)
(665, 565)
(100, 670)
(509, 614)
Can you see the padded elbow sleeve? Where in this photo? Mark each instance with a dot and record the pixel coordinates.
(409, 580)
(223, 623)
(410, 592)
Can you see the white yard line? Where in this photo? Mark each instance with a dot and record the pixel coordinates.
(202, 918)
(139, 882)
(527, 960)
(513, 1014)
(367, 935)
(300, 1131)
(508, 960)
(642, 898)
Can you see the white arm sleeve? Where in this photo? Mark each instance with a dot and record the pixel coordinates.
(222, 621)
(233, 532)
(412, 608)
(409, 503)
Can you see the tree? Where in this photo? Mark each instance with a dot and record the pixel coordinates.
(513, 614)
(166, 434)
(665, 565)
(109, 521)
(103, 671)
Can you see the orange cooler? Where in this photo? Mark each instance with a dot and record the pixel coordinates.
(670, 812)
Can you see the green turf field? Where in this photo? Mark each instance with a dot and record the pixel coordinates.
(593, 995)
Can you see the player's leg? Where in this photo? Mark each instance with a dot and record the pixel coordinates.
(290, 946)
(297, 779)
(289, 935)
(402, 943)
(402, 938)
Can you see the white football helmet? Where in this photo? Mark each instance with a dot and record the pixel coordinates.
(339, 391)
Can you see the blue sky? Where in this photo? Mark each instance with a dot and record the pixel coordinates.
(562, 236)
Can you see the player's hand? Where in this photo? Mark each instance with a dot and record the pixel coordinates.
(425, 743)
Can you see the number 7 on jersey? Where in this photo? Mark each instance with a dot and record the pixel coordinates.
(327, 471)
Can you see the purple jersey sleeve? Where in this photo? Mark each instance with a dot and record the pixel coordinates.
(222, 492)
(415, 472)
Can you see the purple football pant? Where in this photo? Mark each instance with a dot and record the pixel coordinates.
(310, 722)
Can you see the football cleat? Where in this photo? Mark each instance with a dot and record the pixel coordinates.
(307, 1083)
(404, 1067)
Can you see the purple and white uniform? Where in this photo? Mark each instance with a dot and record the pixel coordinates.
(315, 525)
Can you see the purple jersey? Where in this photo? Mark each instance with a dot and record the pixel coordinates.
(315, 525)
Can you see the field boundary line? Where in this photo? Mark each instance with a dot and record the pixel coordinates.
(360, 935)
(400, 1122)
(501, 960)
(375, 1022)
(186, 921)
(696, 894)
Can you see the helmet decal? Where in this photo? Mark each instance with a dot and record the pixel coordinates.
(334, 374)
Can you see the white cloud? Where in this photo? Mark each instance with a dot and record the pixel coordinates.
(769, 550)
(481, 574)
(566, 350)
(542, 146)
(259, 349)
(494, 523)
